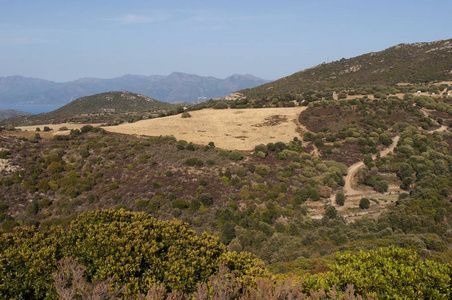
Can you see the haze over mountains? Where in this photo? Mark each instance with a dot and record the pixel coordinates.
(177, 87)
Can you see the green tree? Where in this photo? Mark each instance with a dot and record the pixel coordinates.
(340, 198)
(364, 203)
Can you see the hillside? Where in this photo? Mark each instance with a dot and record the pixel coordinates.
(176, 87)
(100, 108)
(111, 102)
(9, 113)
(351, 187)
(404, 63)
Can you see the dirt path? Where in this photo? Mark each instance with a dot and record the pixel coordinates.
(353, 169)
(441, 129)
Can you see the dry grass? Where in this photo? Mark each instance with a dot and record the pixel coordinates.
(233, 129)
(54, 127)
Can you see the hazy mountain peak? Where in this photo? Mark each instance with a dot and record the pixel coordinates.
(177, 86)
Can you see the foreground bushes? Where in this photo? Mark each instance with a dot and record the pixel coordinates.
(135, 249)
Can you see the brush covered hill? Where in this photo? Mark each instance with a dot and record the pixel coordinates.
(100, 108)
(9, 113)
(111, 102)
(407, 63)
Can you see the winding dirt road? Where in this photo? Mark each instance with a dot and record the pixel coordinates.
(353, 169)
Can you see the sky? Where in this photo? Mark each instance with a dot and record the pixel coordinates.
(64, 40)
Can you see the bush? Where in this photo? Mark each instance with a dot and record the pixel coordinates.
(340, 198)
(185, 115)
(235, 155)
(141, 203)
(206, 199)
(364, 203)
(331, 212)
(86, 128)
(263, 170)
(180, 204)
(133, 248)
(391, 273)
(220, 105)
(261, 148)
(193, 161)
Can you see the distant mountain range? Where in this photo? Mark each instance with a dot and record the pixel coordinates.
(403, 63)
(177, 87)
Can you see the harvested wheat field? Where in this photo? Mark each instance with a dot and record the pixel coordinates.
(233, 129)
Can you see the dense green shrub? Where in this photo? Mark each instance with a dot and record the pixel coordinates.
(206, 199)
(340, 198)
(390, 273)
(235, 155)
(193, 161)
(364, 203)
(135, 249)
(220, 105)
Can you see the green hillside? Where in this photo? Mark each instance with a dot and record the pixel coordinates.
(111, 102)
(359, 202)
(108, 108)
(408, 63)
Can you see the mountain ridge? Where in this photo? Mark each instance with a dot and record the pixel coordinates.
(176, 87)
(412, 63)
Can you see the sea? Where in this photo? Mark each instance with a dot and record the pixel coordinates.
(33, 109)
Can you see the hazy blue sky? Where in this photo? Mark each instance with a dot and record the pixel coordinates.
(64, 40)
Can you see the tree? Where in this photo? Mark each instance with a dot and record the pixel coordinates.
(340, 198)
(364, 203)
(331, 212)
(235, 155)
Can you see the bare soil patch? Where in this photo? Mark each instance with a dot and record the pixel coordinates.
(233, 129)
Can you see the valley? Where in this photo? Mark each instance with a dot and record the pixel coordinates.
(290, 187)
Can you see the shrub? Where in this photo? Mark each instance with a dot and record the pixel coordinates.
(86, 128)
(193, 161)
(4, 154)
(134, 248)
(220, 105)
(31, 209)
(263, 170)
(364, 203)
(141, 203)
(222, 152)
(391, 273)
(261, 154)
(235, 155)
(261, 148)
(180, 203)
(206, 199)
(113, 186)
(331, 212)
(340, 198)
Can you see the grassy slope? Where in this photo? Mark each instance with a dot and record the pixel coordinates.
(414, 63)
